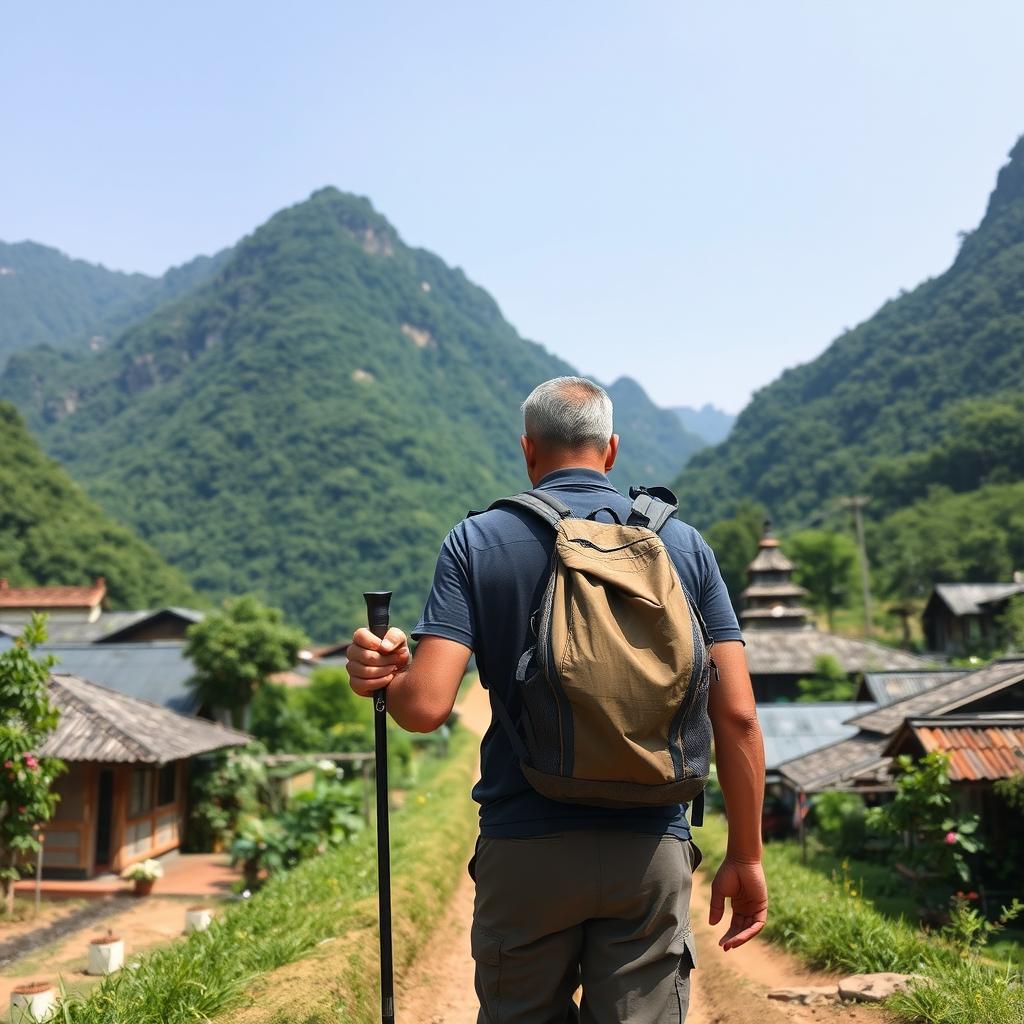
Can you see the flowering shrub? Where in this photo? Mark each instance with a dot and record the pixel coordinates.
(27, 717)
(920, 819)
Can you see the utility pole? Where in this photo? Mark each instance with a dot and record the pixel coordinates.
(857, 503)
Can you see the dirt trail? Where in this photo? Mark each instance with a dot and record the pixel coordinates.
(729, 988)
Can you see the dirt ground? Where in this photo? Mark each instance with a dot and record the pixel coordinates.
(142, 924)
(728, 988)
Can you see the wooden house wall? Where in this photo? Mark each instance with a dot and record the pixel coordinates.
(69, 839)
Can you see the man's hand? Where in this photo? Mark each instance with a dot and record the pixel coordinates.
(744, 884)
(374, 663)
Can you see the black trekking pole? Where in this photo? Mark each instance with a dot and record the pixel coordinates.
(377, 604)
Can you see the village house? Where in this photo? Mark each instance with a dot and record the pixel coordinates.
(783, 644)
(977, 719)
(963, 618)
(124, 796)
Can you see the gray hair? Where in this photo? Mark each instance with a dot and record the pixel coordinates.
(569, 412)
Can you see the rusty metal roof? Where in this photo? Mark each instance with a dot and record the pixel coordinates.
(979, 747)
(52, 597)
(98, 724)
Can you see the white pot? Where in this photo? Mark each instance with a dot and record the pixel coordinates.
(29, 1006)
(106, 956)
(197, 919)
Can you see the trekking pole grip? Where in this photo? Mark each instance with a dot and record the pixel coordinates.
(378, 604)
(378, 618)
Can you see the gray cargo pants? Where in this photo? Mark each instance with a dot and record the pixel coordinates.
(603, 909)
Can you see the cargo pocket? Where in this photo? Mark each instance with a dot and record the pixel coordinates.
(486, 949)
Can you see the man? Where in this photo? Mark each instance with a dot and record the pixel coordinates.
(569, 894)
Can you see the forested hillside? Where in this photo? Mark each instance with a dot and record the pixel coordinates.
(709, 423)
(886, 408)
(47, 298)
(51, 533)
(310, 422)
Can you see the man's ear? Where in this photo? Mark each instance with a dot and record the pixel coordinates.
(529, 451)
(610, 452)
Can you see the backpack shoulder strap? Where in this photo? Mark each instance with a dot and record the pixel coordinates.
(652, 507)
(540, 503)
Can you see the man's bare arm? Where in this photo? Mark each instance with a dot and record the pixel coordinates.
(739, 757)
(421, 690)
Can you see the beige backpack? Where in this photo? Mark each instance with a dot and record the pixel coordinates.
(614, 679)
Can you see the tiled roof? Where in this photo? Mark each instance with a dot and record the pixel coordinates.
(52, 597)
(966, 598)
(792, 730)
(888, 687)
(99, 724)
(945, 698)
(839, 765)
(978, 747)
(793, 651)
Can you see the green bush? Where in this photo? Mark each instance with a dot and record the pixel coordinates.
(840, 821)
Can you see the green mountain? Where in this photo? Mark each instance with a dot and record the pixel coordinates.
(709, 423)
(310, 422)
(51, 533)
(887, 390)
(47, 298)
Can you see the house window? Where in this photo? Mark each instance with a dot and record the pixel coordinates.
(140, 794)
(167, 785)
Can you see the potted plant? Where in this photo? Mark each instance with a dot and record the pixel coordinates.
(143, 874)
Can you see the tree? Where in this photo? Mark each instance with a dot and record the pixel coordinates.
(829, 682)
(27, 718)
(1011, 624)
(235, 650)
(825, 562)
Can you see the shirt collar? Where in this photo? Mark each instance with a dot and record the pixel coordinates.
(574, 476)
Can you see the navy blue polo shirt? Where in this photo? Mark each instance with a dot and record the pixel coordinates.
(489, 580)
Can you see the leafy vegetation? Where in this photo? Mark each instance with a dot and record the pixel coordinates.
(825, 565)
(326, 897)
(881, 400)
(829, 682)
(47, 298)
(235, 649)
(310, 422)
(51, 533)
(27, 718)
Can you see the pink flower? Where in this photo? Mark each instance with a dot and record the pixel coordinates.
(31, 762)
(951, 838)
(972, 895)
(22, 810)
(8, 764)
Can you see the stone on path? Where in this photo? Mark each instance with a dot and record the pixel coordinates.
(873, 988)
(805, 994)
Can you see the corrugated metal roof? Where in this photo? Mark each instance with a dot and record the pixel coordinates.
(837, 765)
(888, 687)
(946, 697)
(157, 670)
(99, 724)
(786, 651)
(792, 730)
(108, 625)
(965, 598)
(979, 747)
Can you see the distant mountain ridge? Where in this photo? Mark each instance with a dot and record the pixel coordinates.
(52, 534)
(883, 390)
(48, 298)
(309, 421)
(709, 423)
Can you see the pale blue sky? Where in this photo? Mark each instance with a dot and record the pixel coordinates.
(696, 194)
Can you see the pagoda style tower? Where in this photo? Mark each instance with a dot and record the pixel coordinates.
(772, 600)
